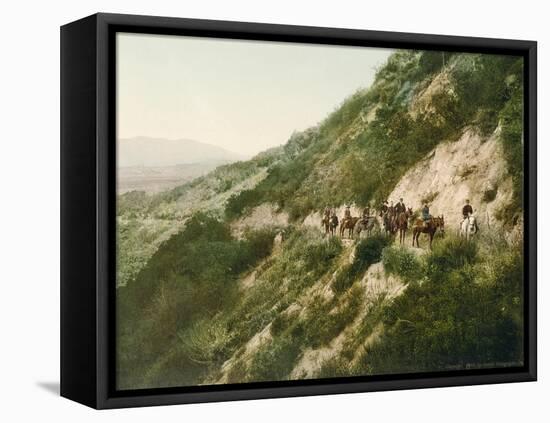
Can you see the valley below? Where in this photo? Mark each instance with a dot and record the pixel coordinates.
(157, 179)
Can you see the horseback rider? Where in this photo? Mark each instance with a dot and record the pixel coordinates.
(391, 209)
(467, 211)
(400, 207)
(332, 221)
(366, 213)
(384, 208)
(326, 216)
(347, 215)
(426, 217)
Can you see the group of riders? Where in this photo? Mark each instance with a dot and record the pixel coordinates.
(395, 217)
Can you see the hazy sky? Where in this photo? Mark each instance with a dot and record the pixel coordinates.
(244, 96)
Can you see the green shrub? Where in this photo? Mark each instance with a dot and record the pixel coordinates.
(403, 263)
(205, 341)
(316, 254)
(432, 61)
(275, 360)
(239, 203)
(490, 194)
(449, 254)
(259, 242)
(369, 250)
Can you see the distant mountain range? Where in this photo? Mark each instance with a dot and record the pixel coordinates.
(157, 152)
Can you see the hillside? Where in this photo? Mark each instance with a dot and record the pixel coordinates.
(233, 280)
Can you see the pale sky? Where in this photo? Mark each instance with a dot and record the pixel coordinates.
(244, 96)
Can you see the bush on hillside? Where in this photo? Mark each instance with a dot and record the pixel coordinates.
(401, 262)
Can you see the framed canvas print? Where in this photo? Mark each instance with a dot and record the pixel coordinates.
(254, 211)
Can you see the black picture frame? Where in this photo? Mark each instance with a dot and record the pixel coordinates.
(88, 209)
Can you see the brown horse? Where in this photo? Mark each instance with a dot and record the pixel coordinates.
(325, 223)
(349, 224)
(433, 224)
(402, 223)
(387, 221)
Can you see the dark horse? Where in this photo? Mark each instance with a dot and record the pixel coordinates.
(402, 223)
(330, 224)
(349, 224)
(433, 224)
(333, 224)
(325, 223)
(388, 221)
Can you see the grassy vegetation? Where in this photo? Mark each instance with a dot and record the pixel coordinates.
(511, 117)
(323, 322)
(367, 252)
(463, 309)
(402, 262)
(306, 258)
(192, 276)
(466, 314)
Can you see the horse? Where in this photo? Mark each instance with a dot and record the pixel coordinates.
(433, 224)
(326, 223)
(367, 224)
(333, 224)
(402, 224)
(349, 224)
(388, 223)
(468, 227)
